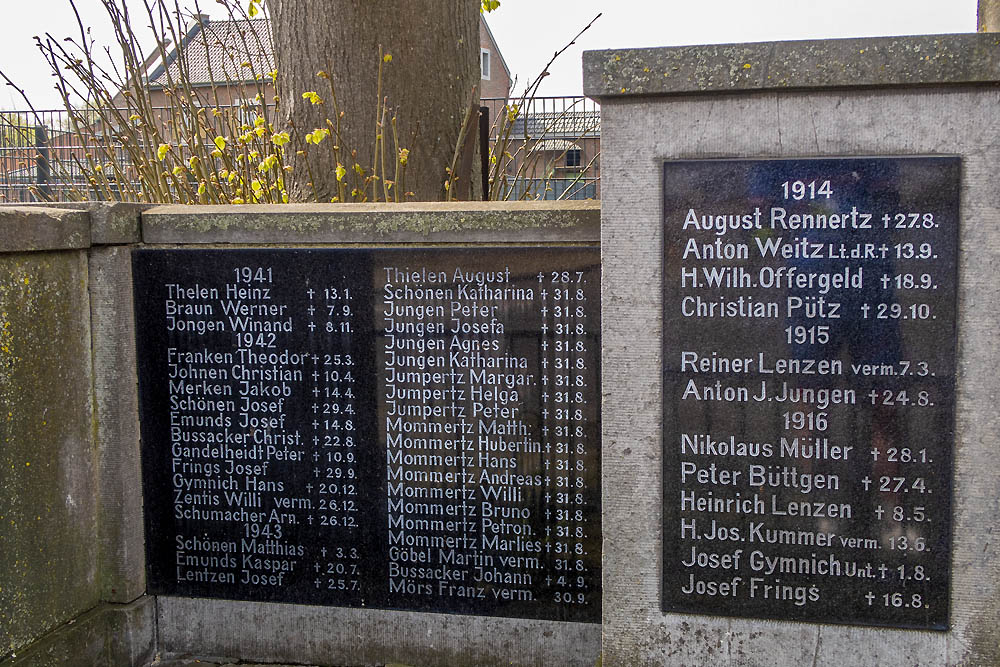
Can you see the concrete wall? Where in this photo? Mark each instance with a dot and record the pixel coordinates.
(53, 482)
(48, 484)
(780, 100)
(72, 562)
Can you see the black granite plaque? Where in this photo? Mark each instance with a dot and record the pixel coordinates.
(809, 363)
(402, 429)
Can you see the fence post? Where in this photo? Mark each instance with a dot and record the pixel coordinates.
(42, 168)
(484, 149)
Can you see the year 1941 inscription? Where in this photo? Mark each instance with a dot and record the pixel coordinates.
(404, 429)
(809, 360)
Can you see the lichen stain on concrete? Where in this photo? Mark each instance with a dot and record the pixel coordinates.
(983, 647)
(379, 222)
(16, 307)
(45, 577)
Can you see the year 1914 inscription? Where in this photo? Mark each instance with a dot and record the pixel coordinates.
(402, 429)
(809, 361)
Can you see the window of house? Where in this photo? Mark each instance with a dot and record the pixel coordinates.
(484, 63)
(574, 157)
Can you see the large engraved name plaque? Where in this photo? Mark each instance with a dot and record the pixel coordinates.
(808, 397)
(409, 429)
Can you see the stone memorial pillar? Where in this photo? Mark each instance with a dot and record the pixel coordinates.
(798, 243)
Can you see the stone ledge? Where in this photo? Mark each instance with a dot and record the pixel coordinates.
(190, 660)
(108, 635)
(112, 223)
(829, 63)
(28, 229)
(260, 632)
(419, 222)
(116, 223)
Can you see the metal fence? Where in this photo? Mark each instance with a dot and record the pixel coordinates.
(25, 155)
(553, 144)
(549, 147)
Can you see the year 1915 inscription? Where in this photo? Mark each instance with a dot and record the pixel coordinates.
(809, 360)
(403, 429)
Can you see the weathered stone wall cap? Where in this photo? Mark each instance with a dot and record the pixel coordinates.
(828, 63)
(354, 223)
(37, 228)
(111, 222)
(355, 209)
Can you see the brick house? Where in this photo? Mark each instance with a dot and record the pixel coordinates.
(230, 54)
(496, 81)
(554, 142)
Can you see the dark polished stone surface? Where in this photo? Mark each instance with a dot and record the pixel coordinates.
(809, 363)
(403, 429)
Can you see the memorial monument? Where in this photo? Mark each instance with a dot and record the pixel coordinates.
(345, 435)
(799, 429)
(755, 425)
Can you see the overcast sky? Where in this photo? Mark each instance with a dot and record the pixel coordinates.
(529, 31)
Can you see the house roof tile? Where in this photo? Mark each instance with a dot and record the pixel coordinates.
(549, 124)
(215, 51)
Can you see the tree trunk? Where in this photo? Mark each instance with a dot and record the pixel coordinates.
(431, 84)
(989, 16)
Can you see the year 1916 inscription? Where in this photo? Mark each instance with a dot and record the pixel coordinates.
(809, 360)
(403, 429)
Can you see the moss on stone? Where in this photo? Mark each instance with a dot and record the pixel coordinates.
(362, 223)
(829, 63)
(47, 489)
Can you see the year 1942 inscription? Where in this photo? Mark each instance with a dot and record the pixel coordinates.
(404, 429)
(809, 360)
